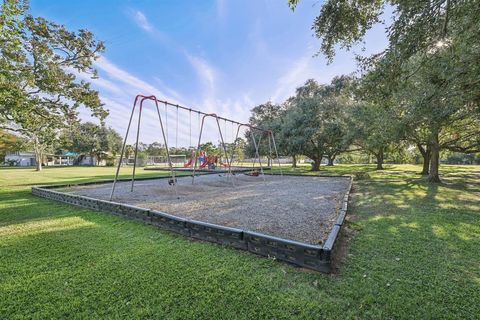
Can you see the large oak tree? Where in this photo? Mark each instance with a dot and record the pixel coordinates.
(429, 68)
(40, 61)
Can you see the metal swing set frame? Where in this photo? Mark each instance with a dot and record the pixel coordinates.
(139, 100)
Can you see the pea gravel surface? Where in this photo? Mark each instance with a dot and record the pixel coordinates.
(296, 208)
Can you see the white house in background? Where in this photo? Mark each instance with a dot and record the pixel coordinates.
(27, 158)
(90, 161)
(21, 158)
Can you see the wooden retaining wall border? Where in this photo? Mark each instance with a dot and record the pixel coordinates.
(314, 257)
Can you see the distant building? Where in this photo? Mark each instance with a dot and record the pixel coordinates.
(27, 159)
(86, 160)
(21, 158)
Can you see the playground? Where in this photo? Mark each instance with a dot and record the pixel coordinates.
(199, 159)
(296, 219)
(296, 208)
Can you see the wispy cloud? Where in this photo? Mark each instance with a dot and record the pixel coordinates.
(204, 70)
(130, 84)
(207, 76)
(221, 7)
(118, 93)
(118, 88)
(123, 86)
(232, 107)
(294, 77)
(257, 40)
(142, 21)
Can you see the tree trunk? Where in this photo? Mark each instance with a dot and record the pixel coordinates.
(433, 175)
(379, 157)
(426, 152)
(38, 164)
(38, 154)
(330, 160)
(426, 162)
(316, 164)
(294, 161)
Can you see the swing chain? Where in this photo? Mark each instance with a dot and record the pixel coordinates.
(176, 133)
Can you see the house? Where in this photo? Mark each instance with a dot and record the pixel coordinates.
(27, 158)
(20, 158)
(64, 159)
(86, 160)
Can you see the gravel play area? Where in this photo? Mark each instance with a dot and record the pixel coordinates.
(296, 208)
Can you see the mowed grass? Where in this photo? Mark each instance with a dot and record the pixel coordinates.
(414, 252)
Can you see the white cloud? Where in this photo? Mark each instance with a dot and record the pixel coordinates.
(142, 21)
(119, 87)
(118, 93)
(221, 7)
(294, 77)
(131, 85)
(204, 70)
(207, 76)
(257, 40)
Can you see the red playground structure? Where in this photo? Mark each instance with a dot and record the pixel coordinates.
(205, 161)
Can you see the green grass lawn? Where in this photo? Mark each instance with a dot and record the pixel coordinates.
(414, 253)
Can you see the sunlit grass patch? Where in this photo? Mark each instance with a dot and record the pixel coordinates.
(413, 253)
(44, 225)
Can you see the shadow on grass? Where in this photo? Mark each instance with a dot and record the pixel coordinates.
(415, 255)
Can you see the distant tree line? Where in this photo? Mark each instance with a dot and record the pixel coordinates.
(157, 149)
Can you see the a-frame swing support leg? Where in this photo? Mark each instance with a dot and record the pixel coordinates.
(172, 172)
(276, 152)
(197, 151)
(224, 149)
(136, 145)
(123, 148)
(257, 154)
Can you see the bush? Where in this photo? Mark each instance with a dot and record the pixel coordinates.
(361, 175)
(13, 163)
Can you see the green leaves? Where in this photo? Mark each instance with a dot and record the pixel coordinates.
(92, 139)
(314, 121)
(39, 65)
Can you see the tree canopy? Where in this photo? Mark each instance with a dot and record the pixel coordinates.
(427, 78)
(91, 139)
(40, 61)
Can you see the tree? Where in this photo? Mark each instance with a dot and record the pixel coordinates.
(339, 102)
(315, 123)
(91, 139)
(266, 116)
(211, 149)
(434, 117)
(129, 151)
(10, 143)
(432, 44)
(373, 129)
(39, 90)
(110, 140)
(287, 142)
(156, 149)
(240, 145)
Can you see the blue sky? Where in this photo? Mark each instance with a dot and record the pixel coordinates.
(218, 56)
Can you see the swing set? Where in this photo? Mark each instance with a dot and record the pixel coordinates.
(194, 163)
